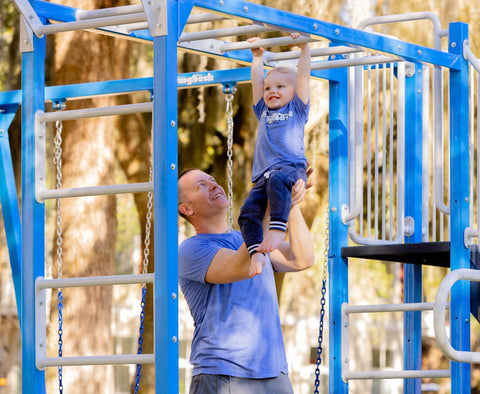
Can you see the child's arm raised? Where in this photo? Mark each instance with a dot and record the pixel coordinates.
(257, 72)
(303, 71)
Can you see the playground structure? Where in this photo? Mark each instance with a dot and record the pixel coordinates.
(401, 156)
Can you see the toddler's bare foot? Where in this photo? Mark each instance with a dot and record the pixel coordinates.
(257, 263)
(271, 241)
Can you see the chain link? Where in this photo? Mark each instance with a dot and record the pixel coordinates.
(57, 160)
(229, 110)
(318, 359)
(146, 253)
(148, 224)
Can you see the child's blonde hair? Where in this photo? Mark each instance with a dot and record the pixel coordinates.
(282, 69)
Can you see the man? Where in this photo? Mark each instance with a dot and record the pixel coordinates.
(238, 344)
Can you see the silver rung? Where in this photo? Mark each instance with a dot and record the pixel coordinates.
(268, 42)
(119, 359)
(441, 373)
(42, 195)
(106, 12)
(41, 283)
(126, 109)
(315, 52)
(89, 24)
(359, 61)
(408, 307)
(227, 32)
(201, 18)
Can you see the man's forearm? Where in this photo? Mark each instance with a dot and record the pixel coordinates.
(300, 239)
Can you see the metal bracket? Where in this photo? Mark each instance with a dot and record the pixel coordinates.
(156, 12)
(408, 226)
(26, 36)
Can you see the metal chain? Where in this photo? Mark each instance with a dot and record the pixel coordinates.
(148, 224)
(146, 252)
(318, 360)
(57, 160)
(229, 110)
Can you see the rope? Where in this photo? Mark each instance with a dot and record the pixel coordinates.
(57, 160)
(318, 359)
(229, 91)
(146, 252)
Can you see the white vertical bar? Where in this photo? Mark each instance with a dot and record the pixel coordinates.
(369, 152)
(392, 110)
(425, 152)
(471, 98)
(384, 147)
(377, 105)
(478, 154)
(400, 150)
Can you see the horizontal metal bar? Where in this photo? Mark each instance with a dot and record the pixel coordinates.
(227, 32)
(267, 42)
(96, 360)
(201, 18)
(106, 12)
(93, 112)
(90, 24)
(41, 283)
(441, 373)
(359, 61)
(414, 306)
(315, 52)
(94, 191)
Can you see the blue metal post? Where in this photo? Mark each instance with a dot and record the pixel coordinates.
(412, 284)
(338, 195)
(459, 205)
(8, 199)
(165, 205)
(33, 222)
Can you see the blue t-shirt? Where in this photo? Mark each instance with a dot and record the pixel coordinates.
(279, 136)
(237, 325)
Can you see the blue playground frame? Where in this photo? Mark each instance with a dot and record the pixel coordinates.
(26, 241)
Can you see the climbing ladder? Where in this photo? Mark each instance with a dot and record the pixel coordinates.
(347, 58)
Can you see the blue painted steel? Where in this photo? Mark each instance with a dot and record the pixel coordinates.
(459, 205)
(33, 222)
(9, 202)
(412, 278)
(336, 33)
(338, 195)
(165, 206)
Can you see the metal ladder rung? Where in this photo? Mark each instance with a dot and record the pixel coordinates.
(48, 194)
(405, 374)
(116, 359)
(42, 283)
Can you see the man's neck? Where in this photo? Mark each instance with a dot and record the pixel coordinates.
(212, 226)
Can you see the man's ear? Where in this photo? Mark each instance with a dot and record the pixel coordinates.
(185, 209)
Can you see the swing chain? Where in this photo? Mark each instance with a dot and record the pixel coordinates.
(229, 110)
(146, 252)
(318, 359)
(148, 224)
(57, 160)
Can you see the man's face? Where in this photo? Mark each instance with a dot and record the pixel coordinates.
(201, 194)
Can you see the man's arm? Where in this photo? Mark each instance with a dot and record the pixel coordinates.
(229, 266)
(257, 73)
(297, 254)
